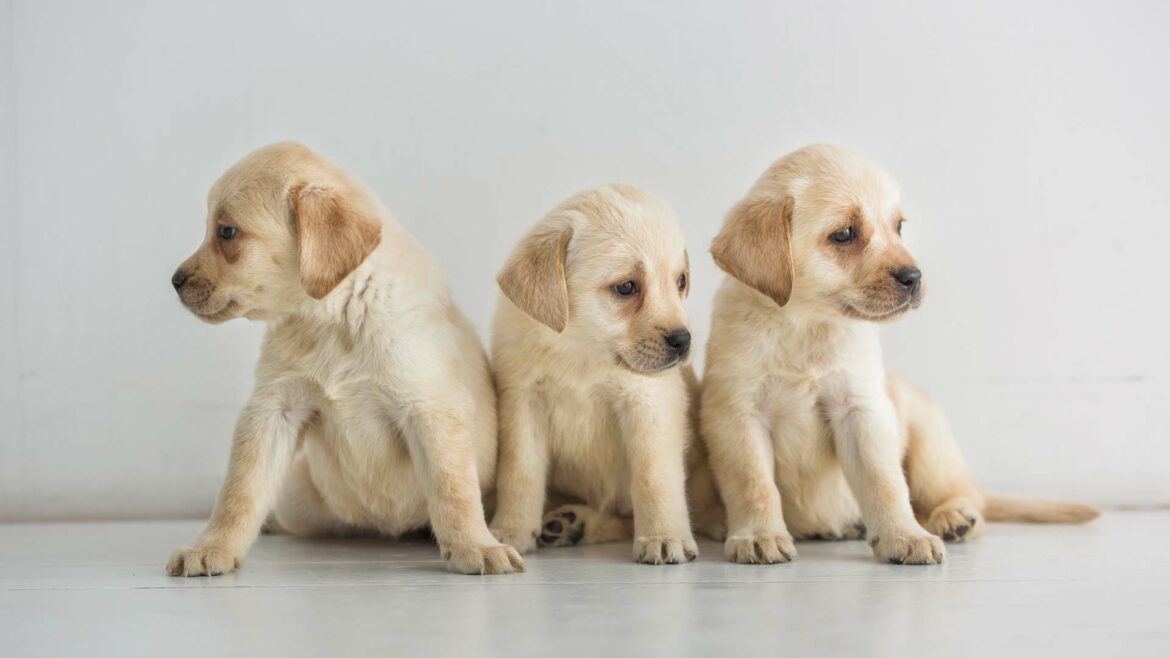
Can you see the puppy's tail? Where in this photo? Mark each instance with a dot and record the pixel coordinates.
(1028, 510)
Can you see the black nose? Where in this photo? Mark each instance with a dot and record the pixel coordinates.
(909, 277)
(679, 341)
(179, 278)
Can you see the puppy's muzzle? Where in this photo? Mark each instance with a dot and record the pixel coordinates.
(679, 342)
(196, 292)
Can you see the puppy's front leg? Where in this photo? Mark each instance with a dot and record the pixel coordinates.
(741, 456)
(444, 453)
(522, 473)
(866, 436)
(262, 449)
(655, 439)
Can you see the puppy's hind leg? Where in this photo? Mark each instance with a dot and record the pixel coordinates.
(573, 524)
(942, 491)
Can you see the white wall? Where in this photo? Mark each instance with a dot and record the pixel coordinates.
(10, 413)
(1030, 139)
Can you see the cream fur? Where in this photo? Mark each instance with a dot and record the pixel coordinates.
(593, 406)
(373, 408)
(807, 434)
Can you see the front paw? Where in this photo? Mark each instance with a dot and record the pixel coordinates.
(665, 550)
(759, 548)
(524, 541)
(483, 559)
(907, 547)
(203, 560)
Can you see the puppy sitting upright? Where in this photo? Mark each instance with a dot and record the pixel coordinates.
(373, 407)
(805, 430)
(588, 344)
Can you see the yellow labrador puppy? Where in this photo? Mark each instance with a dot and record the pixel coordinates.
(589, 345)
(807, 434)
(373, 407)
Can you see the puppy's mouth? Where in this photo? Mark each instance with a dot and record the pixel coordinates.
(225, 313)
(205, 307)
(646, 365)
(859, 312)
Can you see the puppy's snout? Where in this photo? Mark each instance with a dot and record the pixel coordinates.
(679, 341)
(909, 278)
(179, 278)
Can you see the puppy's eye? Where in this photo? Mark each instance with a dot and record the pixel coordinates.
(626, 288)
(225, 233)
(843, 237)
(682, 282)
(900, 223)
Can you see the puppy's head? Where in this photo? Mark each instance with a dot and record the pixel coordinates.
(608, 269)
(284, 227)
(822, 230)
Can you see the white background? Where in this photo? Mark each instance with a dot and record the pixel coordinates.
(1030, 138)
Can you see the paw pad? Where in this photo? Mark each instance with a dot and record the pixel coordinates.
(562, 528)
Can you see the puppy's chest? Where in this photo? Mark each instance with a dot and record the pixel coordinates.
(354, 444)
(339, 366)
(792, 404)
(576, 418)
(586, 453)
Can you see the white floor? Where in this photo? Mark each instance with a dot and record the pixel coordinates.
(99, 589)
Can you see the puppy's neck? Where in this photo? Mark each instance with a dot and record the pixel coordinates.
(346, 306)
(814, 339)
(798, 319)
(397, 278)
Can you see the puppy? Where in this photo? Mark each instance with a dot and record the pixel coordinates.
(806, 432)
(374, 408)
(590, 342)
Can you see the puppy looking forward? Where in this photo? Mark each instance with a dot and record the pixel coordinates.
(373, 407)
(806, 432)
(589, 342)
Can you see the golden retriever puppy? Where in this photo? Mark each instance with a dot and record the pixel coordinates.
(373, 408)
(807, 434)
(590, 342)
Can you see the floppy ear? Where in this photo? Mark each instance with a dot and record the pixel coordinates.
(755, 246)
(333, 237)
(534, 276)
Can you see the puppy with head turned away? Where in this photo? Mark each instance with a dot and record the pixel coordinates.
(590, 345)
(373, 408)
(808, 436)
